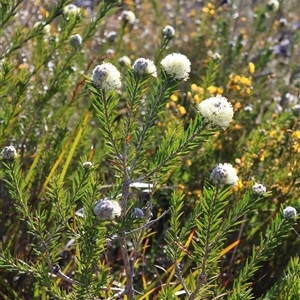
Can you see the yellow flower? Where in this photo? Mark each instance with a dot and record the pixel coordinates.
(197, 98)
(220, 90)
(246, 81)
(238, 186)
(296, 147)
(181, 109)
(212, 89)
(248, 90)
(174, 97)
(251, 67)
(296, 134)
(194, 87)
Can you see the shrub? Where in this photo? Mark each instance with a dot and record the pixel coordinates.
(175, 176)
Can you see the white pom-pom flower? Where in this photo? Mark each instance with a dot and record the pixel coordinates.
(107, 210)
(217, 111)
(87, 165)
(9, 153)
(289, 212)
(259, 188)
(124, 61)
(75, 40)
(46, 28)
(143, 66)
(128, 16)
(273, 5)
(177, 66)
(107, 77)
(138, 213)
(168, 32)
(224, 174)
(71, 10)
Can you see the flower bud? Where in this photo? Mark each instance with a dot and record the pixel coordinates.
(289, 212)
(224, 174)
(9, 153)
(107, 210)
(75, 40)
(138, 213)
(143, 66)
(87, 165)
(128, 16)
(125, 61)
(71, 10)
(168, 32)
(259, 188)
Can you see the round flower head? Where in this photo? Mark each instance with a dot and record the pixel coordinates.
(224, 174)
(283, 22)
(46, 28)
(144, 66)
(217, 111)
(273, 5)
(128, 16)
(138, 213)
(107, 77)
(125, 61)
(216, 56)
(168, 32)
(111, 36)
(177, 66)
(106, 210)
(87, 165)
(259, 188)
(71, 10)
(75, 40)
(9, 153)
(296, 110)
(289, 212)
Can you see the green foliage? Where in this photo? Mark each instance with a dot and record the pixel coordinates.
(171, 233)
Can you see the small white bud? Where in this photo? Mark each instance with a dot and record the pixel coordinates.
(87, 165)
(71, 10)
(124, 61)
(128, 16)
(289, 212)
(111, 36)
(273, 5)
(75, 40)
(9, 153)
(168, 32)
(138, 213)
(259, 188)
(216, 56)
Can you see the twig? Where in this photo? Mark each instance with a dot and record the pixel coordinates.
(179, 276)
(56, 271)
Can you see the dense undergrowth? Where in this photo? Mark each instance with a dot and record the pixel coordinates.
(175, 220)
